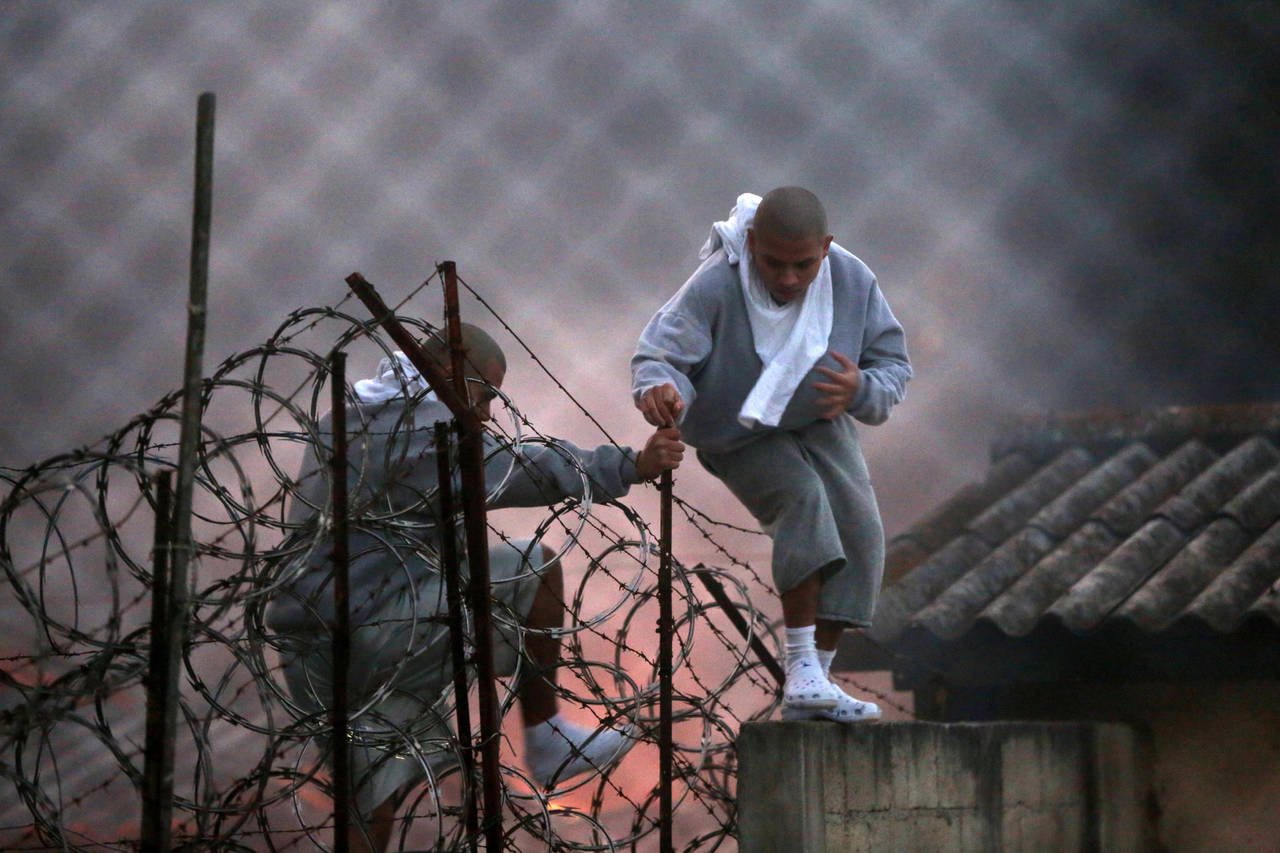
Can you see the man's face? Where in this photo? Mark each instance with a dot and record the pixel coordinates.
(482, 395)
(786, 267)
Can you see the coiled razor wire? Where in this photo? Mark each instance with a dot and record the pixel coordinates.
(76, 541)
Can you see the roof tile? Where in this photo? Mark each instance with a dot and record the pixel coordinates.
(1070, 509)
(1127, 511)
(952, 612)
(909, 548)
(1191, 507)
(1094, 596)
(1267, 607)
(899, 602)
(1003, 518)
(1162, 598)
(1241, 586)
(1017, 610)
(1257, 506)
(1148, 522)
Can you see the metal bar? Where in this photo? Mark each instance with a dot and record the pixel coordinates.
(341, 605)
(666, 627)
(157, 805)
(188, 444)
(471, 462)
(452, 569)
(448, 272)
(432, 372)
(197, 301)
(717, 592)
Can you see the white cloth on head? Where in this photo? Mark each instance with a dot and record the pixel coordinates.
(788, 338)
(398, 378)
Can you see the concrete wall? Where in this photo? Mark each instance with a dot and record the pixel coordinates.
(808, 787)
(1215, 745)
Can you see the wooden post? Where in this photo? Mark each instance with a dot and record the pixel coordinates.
(718, 594)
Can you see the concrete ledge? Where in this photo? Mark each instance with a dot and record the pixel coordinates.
(809, 787)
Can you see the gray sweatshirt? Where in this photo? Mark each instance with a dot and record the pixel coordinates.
(701, 343)
(394, 509)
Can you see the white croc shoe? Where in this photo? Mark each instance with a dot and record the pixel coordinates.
(846, 710)
(808, 689)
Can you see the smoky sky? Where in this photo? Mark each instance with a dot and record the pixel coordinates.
(1068, 205)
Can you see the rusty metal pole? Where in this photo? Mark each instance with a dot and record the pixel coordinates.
(471, 462)
(338, 711)
(666, 627)
(451, 569)
(157, 803)
(436, 376)
(188, 447)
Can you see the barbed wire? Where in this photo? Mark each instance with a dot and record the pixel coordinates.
(77, 533)
(698, 519)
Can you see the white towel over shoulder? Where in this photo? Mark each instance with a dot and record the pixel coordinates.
(394, 379)
(788, 338)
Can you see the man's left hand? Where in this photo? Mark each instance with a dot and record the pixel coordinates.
(843, 387)
(662, 452)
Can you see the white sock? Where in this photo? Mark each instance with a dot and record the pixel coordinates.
(558, 748)
(825, 656)
(554, 734)
(800, 647)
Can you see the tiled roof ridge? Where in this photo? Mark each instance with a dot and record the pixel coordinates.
(950, 573)
(1047, 433)
(1156, 531)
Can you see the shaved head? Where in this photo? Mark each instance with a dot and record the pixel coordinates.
(479, 350)
(788, 242)
(791, 213)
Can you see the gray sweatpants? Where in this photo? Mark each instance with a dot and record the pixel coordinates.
(400, 728)
(810, 490)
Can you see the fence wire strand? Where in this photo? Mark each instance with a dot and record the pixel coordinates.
(250, 758)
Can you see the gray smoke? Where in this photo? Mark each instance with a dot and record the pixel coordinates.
(1068, 204)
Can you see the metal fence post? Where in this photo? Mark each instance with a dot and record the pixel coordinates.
(451, 569)
(471, 463)
(666, 627)
(341, 604)
(180, 551)
(157, 806)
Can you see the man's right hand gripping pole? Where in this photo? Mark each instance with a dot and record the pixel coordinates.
(661, 405)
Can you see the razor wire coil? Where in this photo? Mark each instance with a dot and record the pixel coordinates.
(76, 540)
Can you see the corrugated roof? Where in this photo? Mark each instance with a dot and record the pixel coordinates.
(1149, 521)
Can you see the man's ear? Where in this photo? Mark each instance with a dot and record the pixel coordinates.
(826, 246)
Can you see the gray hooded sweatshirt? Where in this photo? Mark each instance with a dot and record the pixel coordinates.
(394, 506)
(701, 343)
